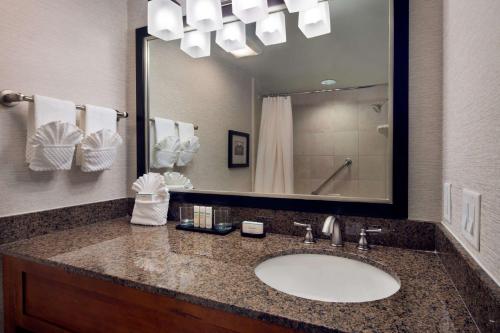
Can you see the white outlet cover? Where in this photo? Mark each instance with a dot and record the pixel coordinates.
(447, 203)
(471, 215)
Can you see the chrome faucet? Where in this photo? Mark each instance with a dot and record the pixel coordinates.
(363, 242)
(309, 238)
(331, 227)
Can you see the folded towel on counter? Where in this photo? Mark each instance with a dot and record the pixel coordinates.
(166, 145)
(189, 143)
(45, 110)
(99, 147)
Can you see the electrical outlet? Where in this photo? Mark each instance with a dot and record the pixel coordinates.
(471, 214)
(447, 203)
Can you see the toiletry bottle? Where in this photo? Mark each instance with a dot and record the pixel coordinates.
(196, 216)
(202, 216)
(208, 219)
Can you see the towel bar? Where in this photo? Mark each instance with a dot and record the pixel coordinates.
(10, 98)
(152, 120)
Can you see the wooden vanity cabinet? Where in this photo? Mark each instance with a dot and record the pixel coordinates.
(42, 298)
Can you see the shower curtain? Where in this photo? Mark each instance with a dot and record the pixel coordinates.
(274, 172)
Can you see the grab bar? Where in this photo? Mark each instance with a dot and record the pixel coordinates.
(347, 162)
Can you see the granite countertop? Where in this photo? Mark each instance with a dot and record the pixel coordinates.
(218, 272)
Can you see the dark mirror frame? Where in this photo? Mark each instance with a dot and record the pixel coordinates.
(398, 209)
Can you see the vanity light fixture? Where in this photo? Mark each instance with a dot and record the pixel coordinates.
(232, 36)
(165, 20)
(272, 29)
(315, 21)
(196, 43)
(204, 15)
(250, 11)
(299, 5)
(328, 82)
(247, 51)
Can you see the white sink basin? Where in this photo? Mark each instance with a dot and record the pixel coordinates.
(327, 278)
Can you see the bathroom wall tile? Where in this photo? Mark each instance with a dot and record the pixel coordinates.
(344, 115)
(369, 119)
(302, 186)
(346, 142)
(372, 167)
(372, 189)
(301, 166)
(321, 143)
(372, 143)
(301, 143)
(321, 166)
(348, 188)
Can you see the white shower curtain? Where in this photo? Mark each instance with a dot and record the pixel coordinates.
(274, 172)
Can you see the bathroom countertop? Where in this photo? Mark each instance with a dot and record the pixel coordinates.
(218, 272)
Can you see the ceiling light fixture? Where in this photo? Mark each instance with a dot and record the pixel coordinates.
(299, 5)
(250, 11)
(247, 51)
(272, 29)
(196, 43)
(204, 15)
(165, 20)
(232, 36)
(328, 82)
(315, 21)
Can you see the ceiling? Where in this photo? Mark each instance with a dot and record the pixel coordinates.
(354, 53)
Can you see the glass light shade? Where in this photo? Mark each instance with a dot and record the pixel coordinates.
(315, 21)
(272, 30)
(165, 20)
(250, 11)
(232, 36)
(196, 43)
(246, 51)
(299, 5)
(204, 15)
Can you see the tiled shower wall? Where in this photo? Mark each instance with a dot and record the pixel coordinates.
(330, 127)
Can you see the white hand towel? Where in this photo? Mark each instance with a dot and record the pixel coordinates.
(186, 131)
(166, 145)
(92, 120)
(189, 143)
(45, 110)
(96, 118)
(163, 129)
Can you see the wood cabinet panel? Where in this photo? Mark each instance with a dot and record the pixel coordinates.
(41, 298)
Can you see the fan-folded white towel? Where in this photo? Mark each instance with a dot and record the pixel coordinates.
(189, 143)
(99, 147)
(45, 110)
(186, 131)
(166, 143)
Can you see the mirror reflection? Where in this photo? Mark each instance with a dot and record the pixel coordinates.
(296, 113)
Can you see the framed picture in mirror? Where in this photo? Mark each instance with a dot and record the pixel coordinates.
(238, 149)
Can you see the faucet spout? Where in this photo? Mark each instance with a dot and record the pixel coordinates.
(331, 227)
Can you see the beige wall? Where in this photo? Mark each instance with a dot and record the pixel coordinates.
(471, 131)
(328, 128)
(211, 93)
(72, 50)
(425, 105)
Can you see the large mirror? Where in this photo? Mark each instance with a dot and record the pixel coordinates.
(308, 118)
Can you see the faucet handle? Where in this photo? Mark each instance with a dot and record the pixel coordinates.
(363, 242)
(309, 238)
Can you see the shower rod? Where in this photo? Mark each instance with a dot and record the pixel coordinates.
(322, 90)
